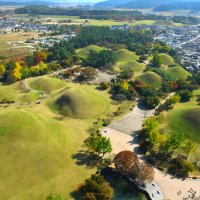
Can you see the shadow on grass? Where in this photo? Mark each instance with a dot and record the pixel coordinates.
(86, 158)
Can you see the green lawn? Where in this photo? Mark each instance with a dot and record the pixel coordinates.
(185, 117)
(39, 149)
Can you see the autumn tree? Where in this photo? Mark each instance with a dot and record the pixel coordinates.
(96, 188)
(87, 73)
(98, 144)
(15, 73)
(146, 174)
(127, 163)
(2, 69)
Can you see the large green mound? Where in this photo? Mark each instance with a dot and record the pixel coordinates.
(7, 94)
(123, 55)
(151, 79)
(187, 121)
(163, 23)
(85, 51)
(167, 60)
(35, 153)
(130, 66)
(177, 73)
(79, 103)
(46, 84)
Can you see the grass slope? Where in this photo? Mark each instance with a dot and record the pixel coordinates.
(83, 52)
(177, 73)
(36, 152)
(167, 60)
(164, 23)
(130, 66)
(79, 103)
(150, 79)
(46, 84)
(7, 94)
(124, 55)
(185, 117)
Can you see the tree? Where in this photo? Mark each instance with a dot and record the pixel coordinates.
(150, 124)
(150, 102)
(87, 73)
(157, 60)
(185, 95)
(173, 142)
(15, 73)
(146, 174)
(2, 69)
(96, 188)
(99, 144)
(189, 147)
(127, 163)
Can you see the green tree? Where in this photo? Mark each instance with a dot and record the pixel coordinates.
(189, 147)
(99, 144)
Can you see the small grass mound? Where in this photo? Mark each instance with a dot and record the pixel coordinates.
(46, 84)
(79, 103)
(28, 97)
(151, 79)
(164, 23)
(124, 55)
(167, 60)
(85, 51)
(177, 73)
(7, 94)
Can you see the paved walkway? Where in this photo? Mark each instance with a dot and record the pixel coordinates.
(172, 188)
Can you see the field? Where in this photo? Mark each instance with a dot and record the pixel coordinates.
(40, 148)
(7, 49)
(185, 117)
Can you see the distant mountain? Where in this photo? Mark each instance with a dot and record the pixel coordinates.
(137, 4)
(193, 6)
(112, 3)
(25, 3)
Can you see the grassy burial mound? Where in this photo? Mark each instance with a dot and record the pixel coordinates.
(46, 84)
(185, 118)
(83, 52)
(151, 79)
(130, 66)
(176, 73)
(79, 103)
(124, 55)
(166, 59)
(7, 94)
(36, 152)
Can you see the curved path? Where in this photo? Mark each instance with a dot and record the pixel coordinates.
(123, 136)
